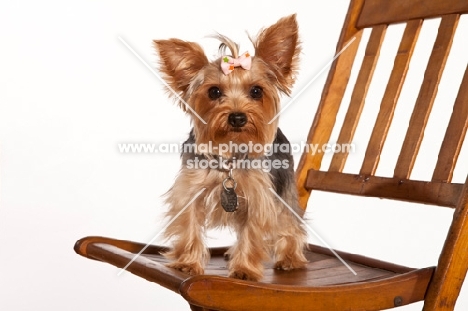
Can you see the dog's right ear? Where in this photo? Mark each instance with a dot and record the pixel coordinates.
(180, 62)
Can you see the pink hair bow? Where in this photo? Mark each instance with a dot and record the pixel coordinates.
(228, 63)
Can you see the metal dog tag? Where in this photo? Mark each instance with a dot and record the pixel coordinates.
(229, 200)
(229, 197)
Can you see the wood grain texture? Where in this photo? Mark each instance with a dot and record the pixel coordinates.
(376, 12)
(324, 275)
(371, 56)
(390, 97)
(224, 294)
(454, 136)
(426, 97)
(453, 262)
(330, 101)
(434, 193)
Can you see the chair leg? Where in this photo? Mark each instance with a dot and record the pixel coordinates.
(453, 263)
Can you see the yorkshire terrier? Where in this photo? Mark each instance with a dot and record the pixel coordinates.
(233, 101)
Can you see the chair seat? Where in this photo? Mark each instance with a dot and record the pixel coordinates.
(325, 284)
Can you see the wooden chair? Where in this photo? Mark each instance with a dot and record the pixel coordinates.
(326, 284)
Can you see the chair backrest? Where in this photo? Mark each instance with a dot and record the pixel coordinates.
(378, 16)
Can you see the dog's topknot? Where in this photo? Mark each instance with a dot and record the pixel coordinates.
(227, 43)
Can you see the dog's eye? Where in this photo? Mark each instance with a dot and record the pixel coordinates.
(214, 93)
(256, 92)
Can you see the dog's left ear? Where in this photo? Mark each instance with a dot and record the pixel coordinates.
(279, 47)
(180, 62)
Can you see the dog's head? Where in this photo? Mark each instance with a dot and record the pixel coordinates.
(234, 98)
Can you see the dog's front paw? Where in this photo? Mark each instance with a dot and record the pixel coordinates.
(290, 264)
(192, 268)
(245, 274)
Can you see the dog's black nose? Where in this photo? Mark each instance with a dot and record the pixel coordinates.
(237, 119)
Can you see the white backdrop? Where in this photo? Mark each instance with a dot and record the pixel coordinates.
(70, 91)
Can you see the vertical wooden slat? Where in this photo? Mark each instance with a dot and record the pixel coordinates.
(359, 95)
(332, 95)
(390, 98)
(451, 270)
(426, 96)
(454, 136)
